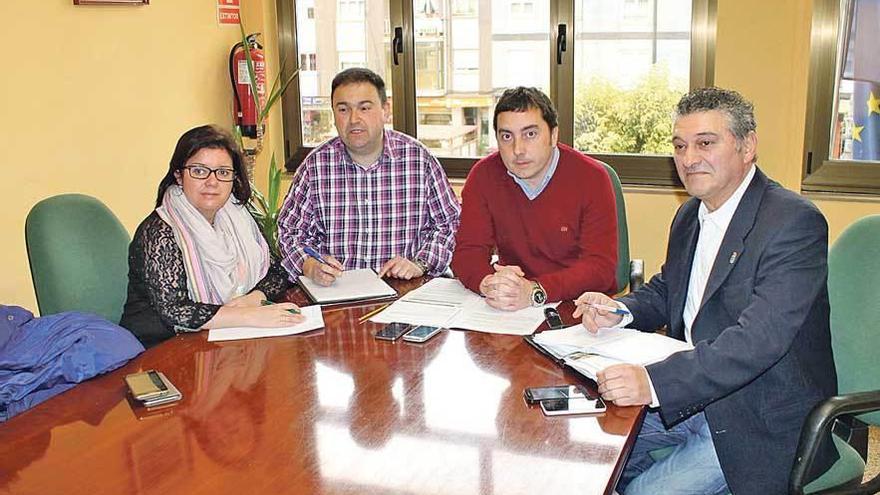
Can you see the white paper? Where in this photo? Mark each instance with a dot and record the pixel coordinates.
(445, 302)
(314, 320)
(417, 314)
(352, 285)
(588, 352)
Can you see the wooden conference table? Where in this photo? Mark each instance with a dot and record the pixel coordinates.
(331, 411)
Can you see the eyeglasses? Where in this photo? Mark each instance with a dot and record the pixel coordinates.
(202, 172)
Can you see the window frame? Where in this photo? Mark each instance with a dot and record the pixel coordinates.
(650, 170)
(822, 174)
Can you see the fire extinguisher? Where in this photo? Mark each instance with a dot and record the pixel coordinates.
(246, 111)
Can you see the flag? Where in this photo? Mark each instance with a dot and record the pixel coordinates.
(862, 66)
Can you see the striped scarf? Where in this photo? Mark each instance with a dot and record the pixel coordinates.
(223, 260)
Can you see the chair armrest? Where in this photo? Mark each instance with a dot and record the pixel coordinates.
(636, 274)
(818, 423)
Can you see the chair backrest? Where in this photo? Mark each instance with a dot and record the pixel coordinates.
(623, 268)
(78, 253)
(853, 281)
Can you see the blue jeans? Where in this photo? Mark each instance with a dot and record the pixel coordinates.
(691, 468)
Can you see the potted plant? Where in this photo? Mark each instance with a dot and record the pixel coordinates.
(264, 207)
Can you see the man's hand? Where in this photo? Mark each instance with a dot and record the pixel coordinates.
(251, 300)
(322, 273)
(400, 267)
(625, 385)
(507, 289)
(594, 318)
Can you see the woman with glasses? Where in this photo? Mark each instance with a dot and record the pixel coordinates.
(199, 259)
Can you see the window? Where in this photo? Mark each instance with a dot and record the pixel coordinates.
(843, 132)
(625, 64)
(308, 62)
(631, 67)
(360, 40)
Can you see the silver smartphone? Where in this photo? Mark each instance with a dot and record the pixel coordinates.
(421, 333)
(574, 405)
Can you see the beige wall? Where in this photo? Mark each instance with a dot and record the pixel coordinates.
(99, 102)
(94, 99)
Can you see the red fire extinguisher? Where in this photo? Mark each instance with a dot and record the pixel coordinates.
(246, 112)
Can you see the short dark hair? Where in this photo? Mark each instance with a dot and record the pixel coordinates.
(356, 75)
(197, 139)
(739, 111)
(520, 99)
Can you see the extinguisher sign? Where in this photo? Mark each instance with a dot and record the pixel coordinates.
(228, 12)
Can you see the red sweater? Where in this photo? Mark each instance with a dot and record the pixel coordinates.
(566, 238)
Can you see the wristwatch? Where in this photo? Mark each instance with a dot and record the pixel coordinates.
(539, 295)
(421, 264)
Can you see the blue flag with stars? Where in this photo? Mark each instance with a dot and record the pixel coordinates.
(863, 68)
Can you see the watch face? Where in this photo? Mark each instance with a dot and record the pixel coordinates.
(539, 296)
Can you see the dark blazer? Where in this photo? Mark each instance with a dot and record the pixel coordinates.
(762, 356)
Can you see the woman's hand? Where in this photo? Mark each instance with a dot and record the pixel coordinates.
(272, 315)
(251, 300)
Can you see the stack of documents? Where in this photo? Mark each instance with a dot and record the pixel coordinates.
(589, 353)
(352, 285)
(445, 302)
(314, 320)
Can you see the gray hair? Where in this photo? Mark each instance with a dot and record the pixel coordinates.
(739, 111)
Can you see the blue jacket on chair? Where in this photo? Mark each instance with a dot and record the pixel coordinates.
(42, 357)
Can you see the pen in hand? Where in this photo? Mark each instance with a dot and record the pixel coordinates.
(609, 309)
(293, 311)
(314, 254)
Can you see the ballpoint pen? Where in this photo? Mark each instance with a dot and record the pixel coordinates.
(609, 309)
(314, 254)
(293, 311)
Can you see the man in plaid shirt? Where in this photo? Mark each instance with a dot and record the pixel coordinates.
(369, 198)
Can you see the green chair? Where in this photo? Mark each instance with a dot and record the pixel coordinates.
(78, 253)
(853, 278)
(629, 272)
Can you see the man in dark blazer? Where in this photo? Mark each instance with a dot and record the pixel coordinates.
(744, 282)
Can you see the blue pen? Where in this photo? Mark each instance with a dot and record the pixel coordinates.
(314, 254)
(610, 309)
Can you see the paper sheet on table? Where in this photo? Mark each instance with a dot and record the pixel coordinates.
(314, 320)
(352, 285)
(445, 302)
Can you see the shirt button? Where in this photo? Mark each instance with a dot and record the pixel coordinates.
(10, 317)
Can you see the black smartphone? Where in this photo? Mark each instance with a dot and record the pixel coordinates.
(537, 394)
(554, 321)
(557, 407)
(392, 331)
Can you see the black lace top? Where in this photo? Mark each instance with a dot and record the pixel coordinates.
(158, 303)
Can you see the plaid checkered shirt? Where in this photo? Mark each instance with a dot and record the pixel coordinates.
(401, 205)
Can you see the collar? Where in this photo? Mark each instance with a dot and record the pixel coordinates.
(388, 154)
(534, 193)
(724, 214)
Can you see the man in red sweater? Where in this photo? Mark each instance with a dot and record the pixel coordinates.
(547, 210)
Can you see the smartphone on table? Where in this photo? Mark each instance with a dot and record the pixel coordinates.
(573, 405)
(534, 395)
(421, 333)
(554, 321)
(392, 331)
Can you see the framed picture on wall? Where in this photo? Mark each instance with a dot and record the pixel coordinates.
(111, 2)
